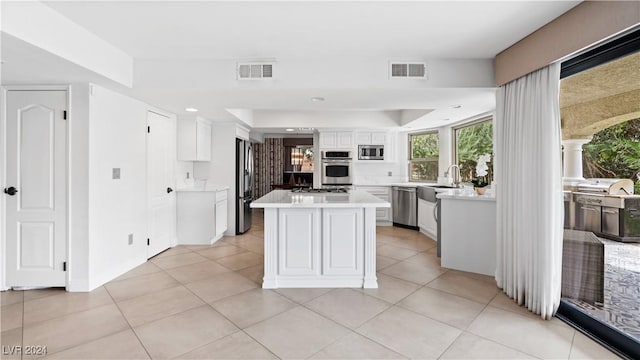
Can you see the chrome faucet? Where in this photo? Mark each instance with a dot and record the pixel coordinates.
(456, 175)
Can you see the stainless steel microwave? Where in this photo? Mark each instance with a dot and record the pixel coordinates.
(370, 152)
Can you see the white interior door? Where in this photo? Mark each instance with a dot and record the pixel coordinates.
(160, 183)
(36, 233)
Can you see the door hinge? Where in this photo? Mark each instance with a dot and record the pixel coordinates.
(148, 129)
(64, 115)
(148, 242)
(64, 266)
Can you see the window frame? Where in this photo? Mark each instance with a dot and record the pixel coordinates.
(454, 129)
(410, 153)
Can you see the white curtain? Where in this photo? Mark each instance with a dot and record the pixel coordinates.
(528, 167)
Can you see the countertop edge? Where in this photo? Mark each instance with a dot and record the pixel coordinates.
(205, 189)
(328, 205)
(466, 197)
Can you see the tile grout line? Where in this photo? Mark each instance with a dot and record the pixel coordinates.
(230, 321)
(494, 341)
(573, 339)
(128, 323)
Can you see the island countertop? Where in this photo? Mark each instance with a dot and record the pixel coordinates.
(289, 199)
(465, 194)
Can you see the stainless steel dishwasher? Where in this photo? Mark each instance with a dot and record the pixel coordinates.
(405, 206)
(428, 193)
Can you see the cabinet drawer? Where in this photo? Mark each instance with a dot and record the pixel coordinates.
(221, 195)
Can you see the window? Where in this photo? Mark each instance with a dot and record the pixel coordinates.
(471, 141)
(424, 151)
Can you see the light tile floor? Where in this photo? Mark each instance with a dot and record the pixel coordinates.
(205, 302)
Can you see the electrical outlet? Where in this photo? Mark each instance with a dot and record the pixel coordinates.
(390, 173)
(130, 239)
(115, 173)
(187, 174)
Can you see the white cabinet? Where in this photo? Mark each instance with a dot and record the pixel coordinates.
(371, 138)
(321, 247)
(194, 138)
(386, 138)
(202, 216)
(336, 140)
(299, 242)
(221, 213)
(342, 241)
(383, 215)
(426, 220)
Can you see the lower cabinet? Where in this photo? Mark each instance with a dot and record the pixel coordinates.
(221, 213)
(299, 242)
(426, 219)
(383, 215)
(342, 241)
(202, 216)
(321, 242)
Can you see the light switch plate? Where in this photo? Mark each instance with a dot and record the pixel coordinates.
(130, 239)
(115, 173)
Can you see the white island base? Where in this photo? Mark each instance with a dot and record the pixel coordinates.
(319, 241)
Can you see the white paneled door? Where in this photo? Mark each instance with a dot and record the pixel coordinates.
(160, 183)
(36, 188)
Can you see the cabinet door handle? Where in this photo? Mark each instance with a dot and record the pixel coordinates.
(435, 212)
(169, 190)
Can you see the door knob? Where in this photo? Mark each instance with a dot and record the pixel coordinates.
(10, 191)
(169, 190)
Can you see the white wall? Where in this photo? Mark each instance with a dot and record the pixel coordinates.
(106, 130)
(78, 245)
(446, 149)
(182, 168)
(117, 207)
(326, 119)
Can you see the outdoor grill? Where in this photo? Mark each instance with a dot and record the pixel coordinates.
(608, 208)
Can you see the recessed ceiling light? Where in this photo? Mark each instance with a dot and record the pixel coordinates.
(317, 99)
(456, 106)
(191, 109)
(289, 130)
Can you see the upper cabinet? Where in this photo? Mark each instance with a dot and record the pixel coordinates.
(371, 138)
(386, 138)
(336, 140)
(194, 138)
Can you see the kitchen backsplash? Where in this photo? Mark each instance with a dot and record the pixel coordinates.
(378, 173)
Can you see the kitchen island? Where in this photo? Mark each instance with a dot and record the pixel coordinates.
(319, 239)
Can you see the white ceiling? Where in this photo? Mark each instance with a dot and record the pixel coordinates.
(185, 52)
(305, 29)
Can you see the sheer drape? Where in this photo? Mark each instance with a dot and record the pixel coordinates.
(528, 167)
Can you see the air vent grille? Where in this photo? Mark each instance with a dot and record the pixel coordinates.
(254, 71)
(408, 70)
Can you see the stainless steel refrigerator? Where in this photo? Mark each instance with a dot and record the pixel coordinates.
(244, 185)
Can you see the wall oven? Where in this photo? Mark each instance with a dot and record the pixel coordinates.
(336, 168)
(370, 152)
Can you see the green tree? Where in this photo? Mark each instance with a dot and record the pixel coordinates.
(471, 142)
(614, 153)
(425, 149)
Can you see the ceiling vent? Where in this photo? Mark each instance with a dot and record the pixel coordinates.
(416, 70)
(255, 71)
